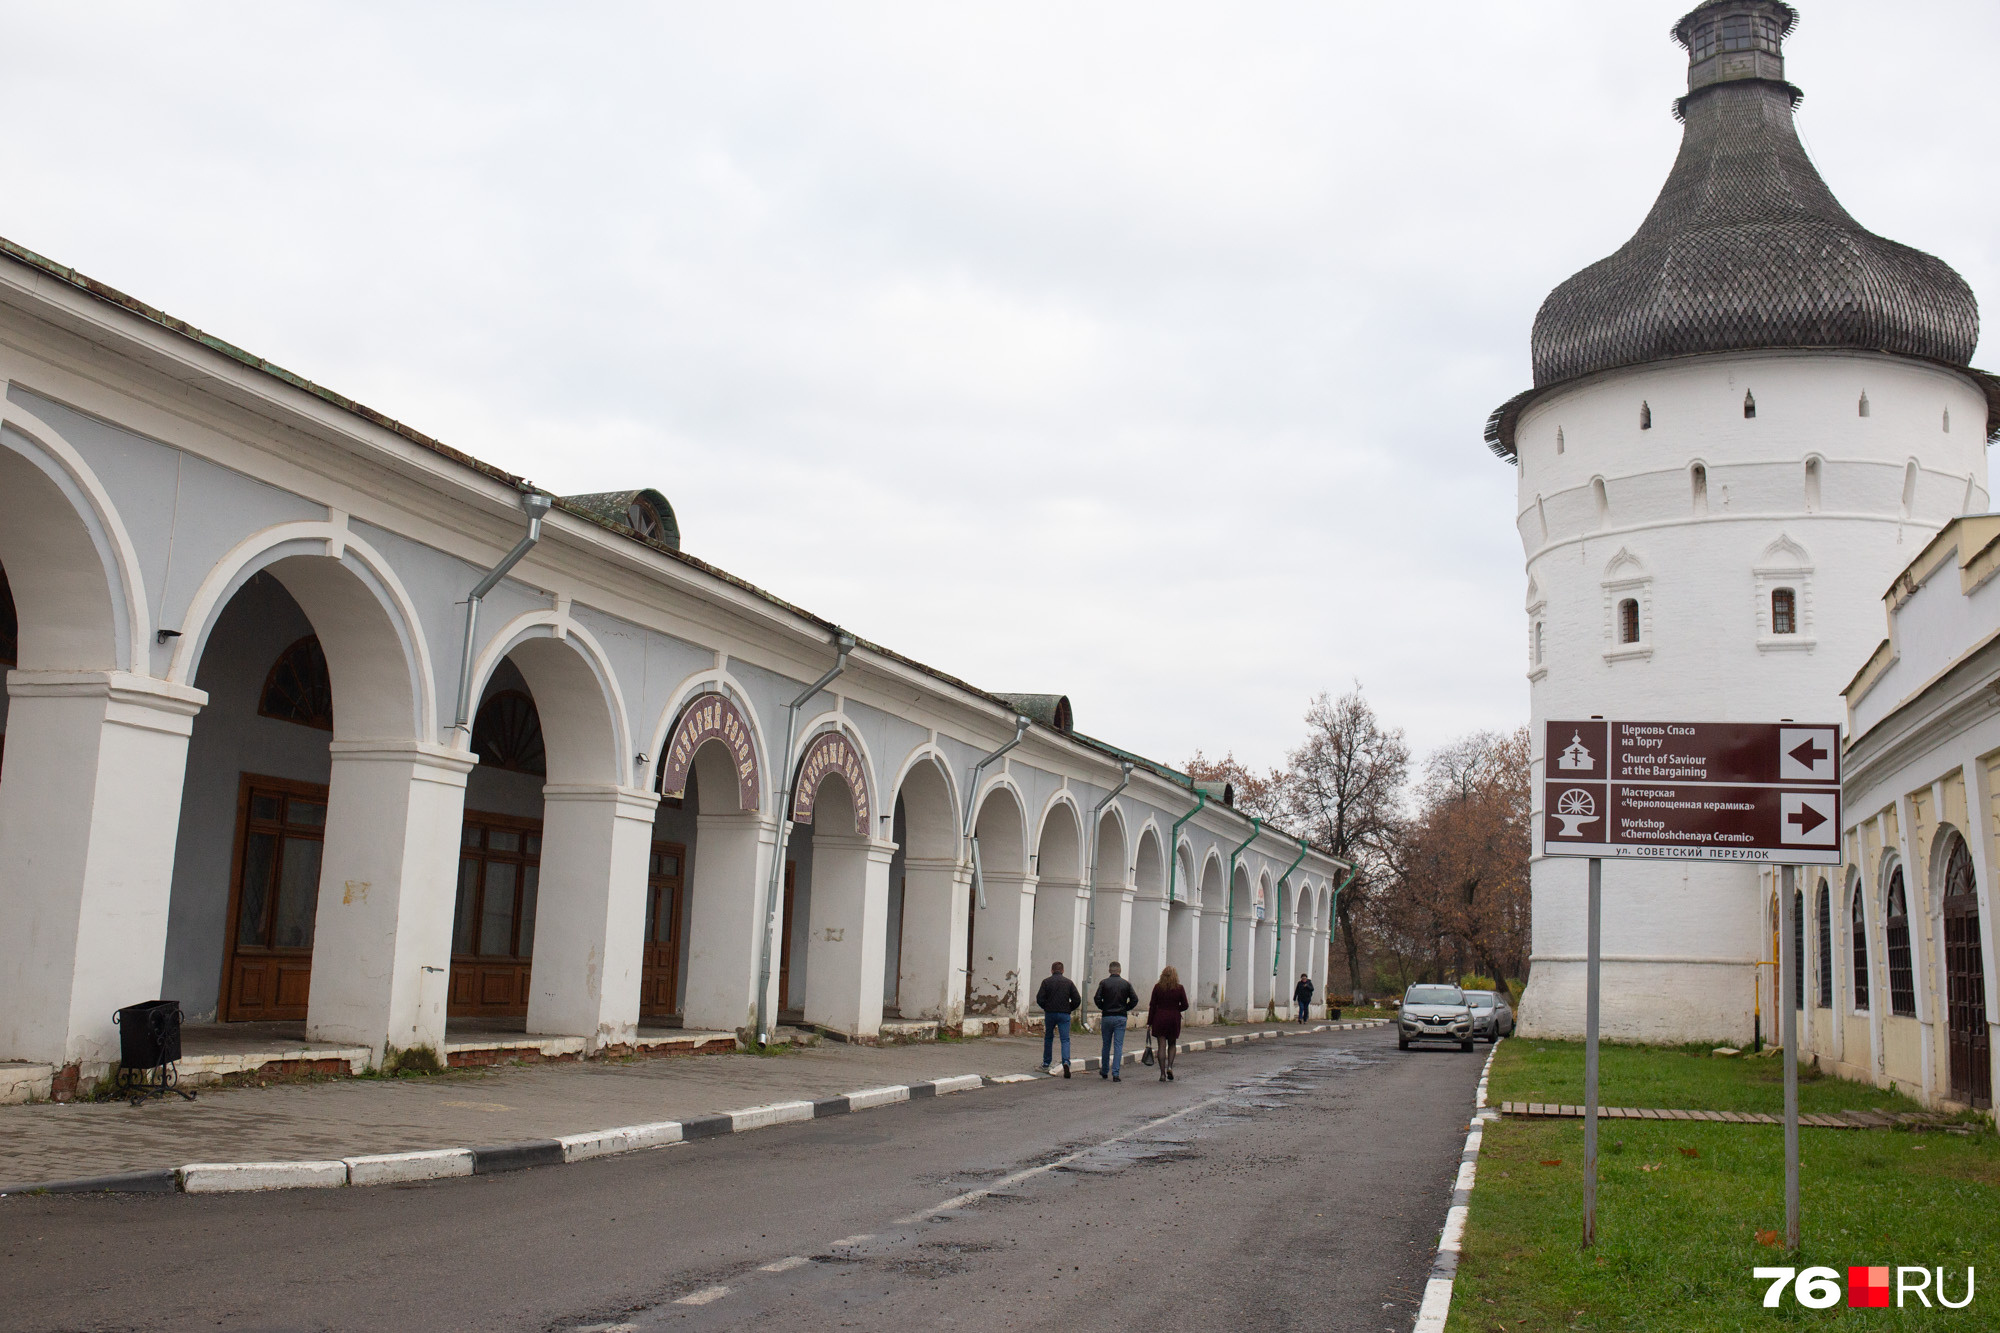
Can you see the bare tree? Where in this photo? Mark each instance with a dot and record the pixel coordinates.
(1464, 882)
(1261, 796)
(1344, 791)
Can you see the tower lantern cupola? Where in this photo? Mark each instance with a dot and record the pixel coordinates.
(1736, 39)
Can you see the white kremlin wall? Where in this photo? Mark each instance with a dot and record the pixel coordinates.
(1809, 494)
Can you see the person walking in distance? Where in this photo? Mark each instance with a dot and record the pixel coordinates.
(1057, 999)
(1302, 995)
(1163, 1019)
(1115, 1001)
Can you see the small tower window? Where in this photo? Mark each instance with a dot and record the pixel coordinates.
(1559, 439)
(1628, 620)
(1645, 416)
(1812, 485)
(1538, 643)
(1749, 407)
(1699, 475)
(644, 518)
(1947, 421)
(1784, 611)
(1603, 500)
(1864, 402)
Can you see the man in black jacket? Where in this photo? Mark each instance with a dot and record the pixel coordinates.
(1115, 1000)
(1057, 999)
(1302, 995)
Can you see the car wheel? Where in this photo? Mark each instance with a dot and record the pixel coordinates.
(1402, 1043)
(1465, 1045)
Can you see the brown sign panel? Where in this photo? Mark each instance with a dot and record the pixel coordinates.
(831, 753)
(711, 717)
(1723, 791)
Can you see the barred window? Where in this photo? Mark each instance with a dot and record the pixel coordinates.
(297, 688)
(1857, 933)
(1825, 947)
(1902, 977)
(1798, 949)
(1738, 32)
(1784, 611)
(1628, 620)
(508, 734)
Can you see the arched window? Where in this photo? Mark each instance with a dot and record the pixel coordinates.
(297, 688)
(1645, 416)
(10, 625)
(1749, 407)
(1798, 949)
(1698, 474)
(508, 734)
(1784, 612)
(1857, 935)
(1947, 421)
(1864, 402)
(1825, 947)
(644, 516)
(1602, 498)
(1628, 620)
(1902, 976)
(1812, 485)
(1559, 439)
(1538, 643)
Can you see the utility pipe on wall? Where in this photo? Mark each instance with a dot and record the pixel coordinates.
(534, 504)
(843, 643)
(1021, 724)
(1174, 843)
(1096, 841)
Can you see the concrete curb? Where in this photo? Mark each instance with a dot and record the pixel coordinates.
(1431, 1315)
(444, 1163)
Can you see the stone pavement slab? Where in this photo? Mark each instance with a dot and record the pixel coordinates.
(344, 1118)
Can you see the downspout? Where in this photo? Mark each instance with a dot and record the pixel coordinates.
(1229, 921)
(1021, 725)
(1174, 843)
(1096, 839)
(843, 643)
(535, 505)
(1333, 921)
(1278, 942)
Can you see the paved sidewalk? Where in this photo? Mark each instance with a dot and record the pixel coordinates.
(347, 1117)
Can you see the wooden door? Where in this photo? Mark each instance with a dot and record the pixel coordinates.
(273, 895)
(493, 930)
(660, 973)
(785, 941)
(1965, 983)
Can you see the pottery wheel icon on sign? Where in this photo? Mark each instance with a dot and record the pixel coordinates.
(1575, 807)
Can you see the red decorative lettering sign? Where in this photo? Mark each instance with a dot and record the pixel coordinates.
(831, 753)
(711, 717)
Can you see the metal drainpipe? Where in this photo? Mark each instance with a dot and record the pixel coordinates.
(1333, 918)
(1097, 838)
(1229, 922)
(1174, 843)
(534, 504)
(1279, 943)
(843, 642)
(1021, 725)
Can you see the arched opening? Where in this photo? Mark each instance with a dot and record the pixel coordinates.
(1896, 923)
(1749, 407)
(1698, 480)
(1264, 962)
(1153, 917)
(1645, 416)
(836, 918)
(1857, 941)
(1812, 485)
(1238, 990)
(1969, 1045)
(1784, 611)
(997, 946)
(1060, 900)
(1628, 620)
(1824, 920)
(1110, 928)
(711, 784)
(1212, 964)
(927, 918)
(1798, 949)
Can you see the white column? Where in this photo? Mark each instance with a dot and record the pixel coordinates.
(936, 916)
(381, 970)
(591, 911)
(1239, 961)
(89, 814)
(1149, 947)
(1113, 940)
(1321, 977)
(846, 933)
(1206, 990)
(731, 863)
(1001, 934)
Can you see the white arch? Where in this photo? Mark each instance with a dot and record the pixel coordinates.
(999, 783)
(321, 540)
(1214, 858)
(1062, 797)
(938, 759)
(1624, 565)
(832, 720)
(58, 460)
(715, 680)
(561, 628)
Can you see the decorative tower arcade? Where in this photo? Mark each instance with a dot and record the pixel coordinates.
(1743, 424)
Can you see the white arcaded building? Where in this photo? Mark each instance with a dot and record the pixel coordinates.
(1744, 424)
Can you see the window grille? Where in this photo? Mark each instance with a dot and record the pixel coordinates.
(1825, 947)
(1628, 620)
(297, 688)
(1798, 949)
(1857, 931)
(508, 734)
(1902, 977)
(1784, 612)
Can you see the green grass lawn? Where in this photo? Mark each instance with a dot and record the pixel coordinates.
(1681, 1206)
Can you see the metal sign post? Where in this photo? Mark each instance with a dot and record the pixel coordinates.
(1595, 912)
(1788, 963)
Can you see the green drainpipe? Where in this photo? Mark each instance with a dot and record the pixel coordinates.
(1333, 919)
(1229, 924)
(1174, 843)
(1278, 941)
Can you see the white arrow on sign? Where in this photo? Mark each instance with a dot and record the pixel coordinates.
(1809, 819)
(1806, 754)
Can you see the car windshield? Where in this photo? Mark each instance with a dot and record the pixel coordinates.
(1434, 995)
(1479, 999)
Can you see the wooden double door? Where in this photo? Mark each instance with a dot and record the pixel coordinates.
(273, 897)
(660, 968)
(1965, 1003)
(493, 928)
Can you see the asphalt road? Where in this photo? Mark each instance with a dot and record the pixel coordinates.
(1276, 1185)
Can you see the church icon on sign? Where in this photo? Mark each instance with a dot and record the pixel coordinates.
(1575, 758)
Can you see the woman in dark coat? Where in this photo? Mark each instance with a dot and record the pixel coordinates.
(1163, 1019)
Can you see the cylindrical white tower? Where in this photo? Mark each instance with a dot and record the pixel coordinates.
(1744, 424)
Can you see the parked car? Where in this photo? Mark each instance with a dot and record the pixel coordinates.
(1434, 1013)
(1492, 1016)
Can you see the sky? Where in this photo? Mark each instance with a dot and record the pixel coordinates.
(1136, 352)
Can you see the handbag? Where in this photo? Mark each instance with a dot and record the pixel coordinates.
(1146, 1056)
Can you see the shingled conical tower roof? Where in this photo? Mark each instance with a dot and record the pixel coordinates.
(1745, 246)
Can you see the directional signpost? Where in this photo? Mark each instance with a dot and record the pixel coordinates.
(1760, 792)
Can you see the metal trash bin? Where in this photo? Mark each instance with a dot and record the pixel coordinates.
(149, 1044)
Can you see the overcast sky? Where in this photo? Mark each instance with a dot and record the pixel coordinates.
(1139, 352)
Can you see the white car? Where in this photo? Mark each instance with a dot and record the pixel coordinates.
(1434, 1013)
(1492, 1016)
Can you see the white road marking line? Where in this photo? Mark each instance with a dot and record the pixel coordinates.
(785, 1265)
(704, 1296)
(852, 1240)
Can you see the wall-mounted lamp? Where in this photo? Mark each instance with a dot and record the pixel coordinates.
(161, 636)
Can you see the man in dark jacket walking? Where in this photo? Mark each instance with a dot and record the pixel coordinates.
(1057, 999)
(1115, 1000)
(1302, 994)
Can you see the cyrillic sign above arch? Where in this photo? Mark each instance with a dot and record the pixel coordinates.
(831, 753)
(712, 717)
